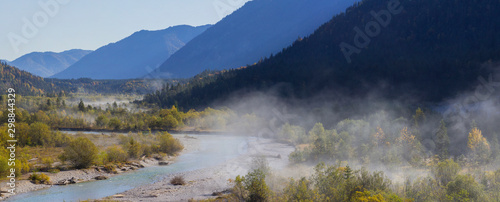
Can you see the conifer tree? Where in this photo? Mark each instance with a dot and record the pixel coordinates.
(442, 141)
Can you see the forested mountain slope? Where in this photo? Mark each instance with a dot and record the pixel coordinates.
(256, 30)
(428, 51)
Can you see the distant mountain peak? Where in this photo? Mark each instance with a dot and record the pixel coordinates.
(133, 56)
(48, 63)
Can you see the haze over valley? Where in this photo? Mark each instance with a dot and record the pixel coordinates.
(262, 100)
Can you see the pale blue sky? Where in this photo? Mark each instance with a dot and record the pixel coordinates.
(90, 24)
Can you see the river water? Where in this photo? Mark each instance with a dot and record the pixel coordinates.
(213, 150)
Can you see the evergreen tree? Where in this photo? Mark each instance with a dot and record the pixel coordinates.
(81, 106)
(419, 117)
(58, 101)
(442, 141)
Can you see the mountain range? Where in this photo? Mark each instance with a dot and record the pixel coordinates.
(46, 64)
(134, 56)
(255, 31)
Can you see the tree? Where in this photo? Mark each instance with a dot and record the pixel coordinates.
(419, 117)
(58, 101)
(478, 145)
(379, 137)
(49, 104)
(411, 147)
(169, 144)
(40, 134)
(81, 106)
(446, 171)
(116, 154)
(114, 123)
(101, 121)
(318, 134)
(442, 141)
(495, 147)
(256, 186)
(22, 130)
(133, 148)
(169, 122)
(464, 188)
(81, 152)
(41, 116)
(299, 190)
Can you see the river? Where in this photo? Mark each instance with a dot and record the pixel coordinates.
(213, 150)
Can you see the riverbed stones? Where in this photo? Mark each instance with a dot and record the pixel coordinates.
(101, 177)
(118, 196)
(138, 165)
(163, 163)
(73, 180)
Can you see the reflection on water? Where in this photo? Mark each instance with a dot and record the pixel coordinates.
(213, 150)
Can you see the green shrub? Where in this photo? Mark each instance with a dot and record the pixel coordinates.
(47, 162)
(464, 188)
(40, 134)
(81, 152)
(169, 145)
(110, 169)
(256, 186)
(299, 190)
(298, 156)
(116, 154)
(134, 148)
(177, 180)
(367, 196)
(445, 171)
(22, 166)
(39, 178)
(425, 189)
(4, 166)
(61, 139)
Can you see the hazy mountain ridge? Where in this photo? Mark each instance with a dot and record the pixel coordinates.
(46, 64)
(134, 56)
(27, 84)
(256, 30)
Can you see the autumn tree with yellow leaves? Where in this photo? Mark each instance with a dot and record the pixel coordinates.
(478, 146)
(379, 137)
(410, 146)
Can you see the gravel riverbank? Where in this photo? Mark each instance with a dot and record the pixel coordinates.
(202, 183)
(83, 175)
